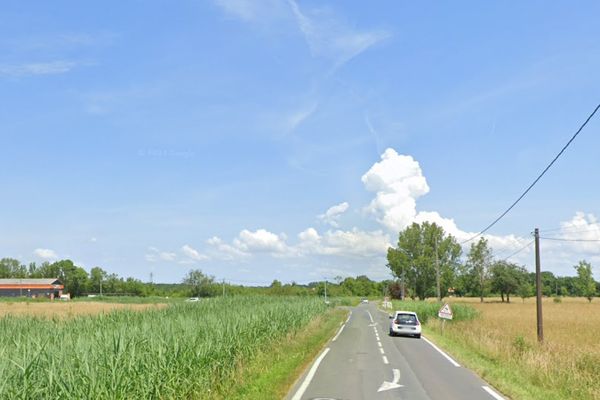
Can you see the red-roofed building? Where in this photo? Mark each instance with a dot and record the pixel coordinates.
(50, 288)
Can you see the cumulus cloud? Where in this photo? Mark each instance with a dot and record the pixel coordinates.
(260, 240)
(398, 182)
(45, 254)
(332, 215)
(580, 234)
(224, 251)
(192, 253)
(155, 255)
(354, 243)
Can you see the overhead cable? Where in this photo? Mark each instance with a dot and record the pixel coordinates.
(536, 180)
(518, 251)
(570, 240)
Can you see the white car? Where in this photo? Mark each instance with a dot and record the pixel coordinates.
(405, 323)
(366, 301)
(193, 299)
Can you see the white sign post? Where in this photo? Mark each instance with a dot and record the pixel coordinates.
(445, 313)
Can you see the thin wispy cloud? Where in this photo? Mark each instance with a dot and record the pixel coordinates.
(38, 68)
(328, 36)
(253, 10)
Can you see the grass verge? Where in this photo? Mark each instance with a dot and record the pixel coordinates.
(507, 379)
(271, 374)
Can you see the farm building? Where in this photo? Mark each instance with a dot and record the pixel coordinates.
(51, 288)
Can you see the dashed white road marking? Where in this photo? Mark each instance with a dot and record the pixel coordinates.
(385, 360)
(338, 334)
(442, 353)
(381, 351)
(310, 376)
(492, 393)
(379, 344)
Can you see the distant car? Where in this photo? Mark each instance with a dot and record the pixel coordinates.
(193, 299)
(405, 323)
(364, 301)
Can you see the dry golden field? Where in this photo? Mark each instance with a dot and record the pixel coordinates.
(64, 309)
(568, 362)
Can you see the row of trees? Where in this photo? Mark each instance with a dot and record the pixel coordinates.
(199, 284)
(77, 281)
(427, 263)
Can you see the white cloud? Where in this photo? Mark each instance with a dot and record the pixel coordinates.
(252, 10)
(45, 254)
(398, 183)
(332, 215)
(325, 33)
(329, 37)
(192, 253)
(42, 68)
(155, 255)
(310, 235)
(354, 243)
(260, 240)
(224, 251)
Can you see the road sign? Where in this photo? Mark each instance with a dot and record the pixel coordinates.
(445, 312)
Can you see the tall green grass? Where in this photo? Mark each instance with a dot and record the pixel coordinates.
(182, 351)
(426, 310)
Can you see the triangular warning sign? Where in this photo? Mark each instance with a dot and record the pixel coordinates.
(445, 312)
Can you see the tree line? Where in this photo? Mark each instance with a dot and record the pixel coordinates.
(79, 282)
(427, 263)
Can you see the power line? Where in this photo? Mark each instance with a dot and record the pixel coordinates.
(570, 240)
(518, 251)
(575, 229)
(537, 179)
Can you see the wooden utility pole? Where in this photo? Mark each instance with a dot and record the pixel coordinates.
(437, 272)
(538, 287)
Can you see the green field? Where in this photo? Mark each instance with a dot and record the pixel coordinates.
(195, 350)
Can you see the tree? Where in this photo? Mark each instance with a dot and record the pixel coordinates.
(478, 262)
(201, 285)
(97, 277)
(414, 260)
(276, 287)
(11, 268)
(525, 290)
(506, 278)
(586, 286)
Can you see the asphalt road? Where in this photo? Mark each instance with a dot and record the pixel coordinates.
(363, 362)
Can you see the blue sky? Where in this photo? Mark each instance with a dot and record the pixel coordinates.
(292, 140)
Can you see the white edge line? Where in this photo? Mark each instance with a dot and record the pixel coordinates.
(492, 393)
(442, 353)
(338, 334)
(310, 375)
(349, 315)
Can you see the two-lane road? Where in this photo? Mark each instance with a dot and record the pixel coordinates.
(363, 362)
